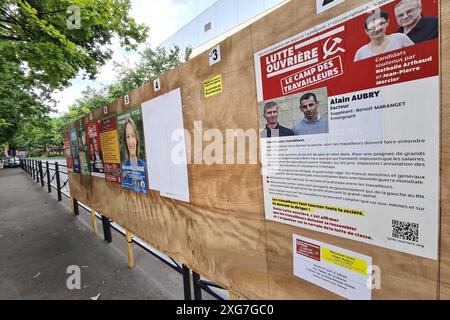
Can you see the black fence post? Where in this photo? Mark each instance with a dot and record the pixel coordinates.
(49, 186)
(196, 284)
(41, 172)
(33, 165)
(58, 182)
(76, 208)
(106, 229)
(37, 171)
(187, 283)
(30, 168)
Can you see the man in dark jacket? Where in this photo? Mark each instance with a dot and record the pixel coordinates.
(417, 27)
(273, 128)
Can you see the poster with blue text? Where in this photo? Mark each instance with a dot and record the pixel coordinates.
(132, 151)
(74, 150)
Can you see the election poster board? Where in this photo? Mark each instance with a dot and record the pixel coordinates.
(67, 151)
(132, 151)
(353, 106)
(74, 150)
(110, 148)
(83, 152)
(95, 149)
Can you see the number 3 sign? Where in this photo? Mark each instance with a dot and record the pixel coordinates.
(215, 56)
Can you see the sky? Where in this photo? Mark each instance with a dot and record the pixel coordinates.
(163, 17)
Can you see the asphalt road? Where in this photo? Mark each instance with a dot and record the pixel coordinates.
(40, 240)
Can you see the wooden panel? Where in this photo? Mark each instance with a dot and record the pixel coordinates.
(445, 159)
(231, 226)
(222, 233)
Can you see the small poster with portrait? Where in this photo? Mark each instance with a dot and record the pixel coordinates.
(74, 150)
(132, 151)
(83, 152)
(110, 149)
(95, 149)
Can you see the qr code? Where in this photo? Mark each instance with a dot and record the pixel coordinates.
(405, 230)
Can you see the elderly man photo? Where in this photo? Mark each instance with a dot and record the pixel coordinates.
(273, 128)
(313, 122)
(412, 23)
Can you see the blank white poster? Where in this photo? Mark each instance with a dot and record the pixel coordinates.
(165, 145)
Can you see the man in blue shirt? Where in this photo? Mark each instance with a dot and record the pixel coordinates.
(313, 122)
(417, 27)
(273, 128)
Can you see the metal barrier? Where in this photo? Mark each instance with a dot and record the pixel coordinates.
(44, 176)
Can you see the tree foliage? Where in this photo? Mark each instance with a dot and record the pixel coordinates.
(20, 101)
(46, 36)
(43, 47)
(153, 63)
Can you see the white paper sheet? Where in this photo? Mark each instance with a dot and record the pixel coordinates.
(162, 117)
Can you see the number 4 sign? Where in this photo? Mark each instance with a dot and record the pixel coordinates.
(323, 5)
(156, 85)
(215, 56)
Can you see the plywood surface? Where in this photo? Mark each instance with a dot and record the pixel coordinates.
(445, 158)
(222, 233)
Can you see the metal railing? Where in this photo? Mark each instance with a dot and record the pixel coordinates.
(50, 174)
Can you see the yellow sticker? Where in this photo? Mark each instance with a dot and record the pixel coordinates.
(213, 86)
(343, 260)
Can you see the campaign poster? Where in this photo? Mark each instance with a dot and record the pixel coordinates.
(349, 125)
(109, 140)
(132, 151)
(83, 152)
(67, 149)
(95, 148)
(74, 150)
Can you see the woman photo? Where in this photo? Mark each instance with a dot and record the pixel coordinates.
(131, 141)
(134, 174)
(376, 26)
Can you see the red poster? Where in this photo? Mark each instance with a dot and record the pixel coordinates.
(68, 153)
(338, 54)
(95, 148)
